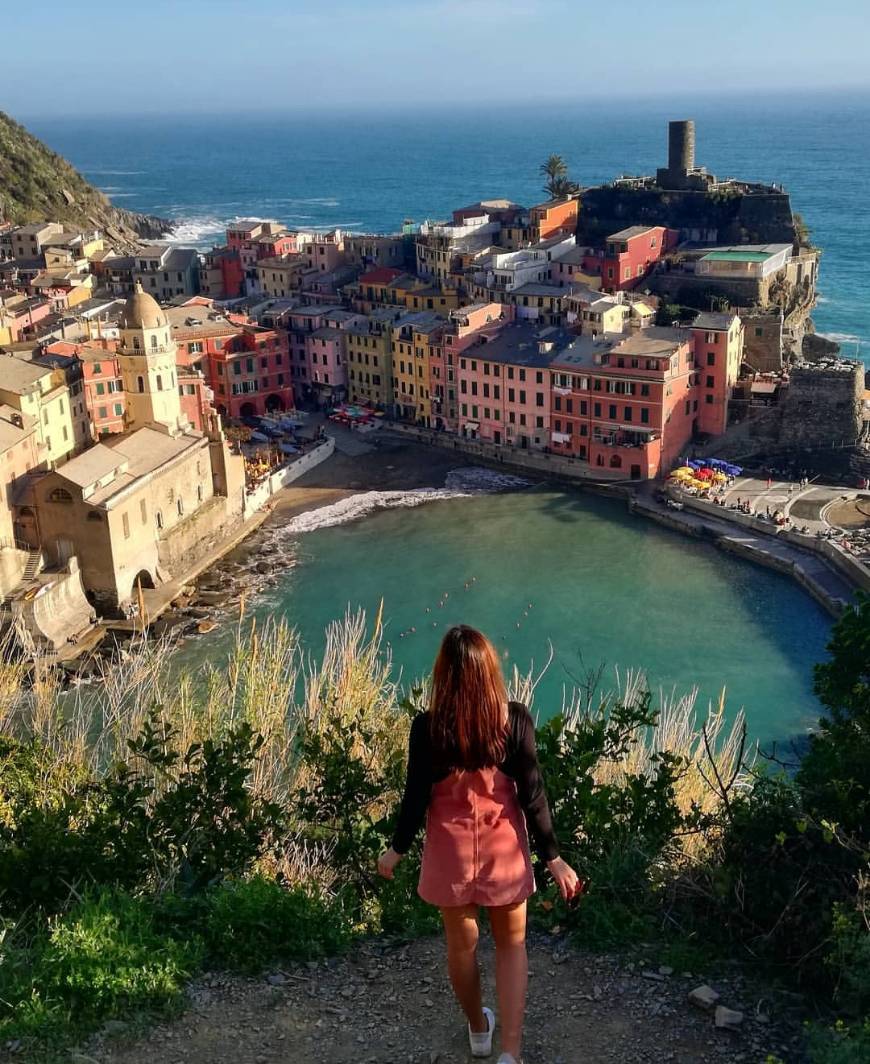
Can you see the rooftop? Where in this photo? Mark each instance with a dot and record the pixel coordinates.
(631, 232)
(18, 376)
(713, 322)
(128, 458)
(522, 344)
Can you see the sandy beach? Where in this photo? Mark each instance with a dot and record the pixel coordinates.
(394, 464)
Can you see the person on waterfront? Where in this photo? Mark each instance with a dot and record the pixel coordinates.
(473, 775)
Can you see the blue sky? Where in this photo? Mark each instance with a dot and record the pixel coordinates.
(117, 56)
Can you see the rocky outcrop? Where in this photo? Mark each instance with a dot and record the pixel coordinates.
(37, 184)
(751, 215)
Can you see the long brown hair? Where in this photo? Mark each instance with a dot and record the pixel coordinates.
(468, 702)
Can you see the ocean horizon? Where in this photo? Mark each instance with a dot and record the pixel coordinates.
(371, 170)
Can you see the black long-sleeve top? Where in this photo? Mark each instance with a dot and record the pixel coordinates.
(425, 769)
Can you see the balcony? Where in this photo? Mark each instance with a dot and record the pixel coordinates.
(624, 438)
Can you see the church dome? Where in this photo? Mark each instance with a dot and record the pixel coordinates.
(142, 311)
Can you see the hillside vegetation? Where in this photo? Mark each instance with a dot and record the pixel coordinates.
(37, 184)
(155, 825)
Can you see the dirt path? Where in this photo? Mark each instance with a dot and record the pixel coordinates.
(392, 1003)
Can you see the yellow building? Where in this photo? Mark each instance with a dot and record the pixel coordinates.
(41, 392)
(19, 455)
(413, 337)
(370, 359)
(143, 506)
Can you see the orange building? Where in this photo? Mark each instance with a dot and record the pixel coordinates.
(554, 217)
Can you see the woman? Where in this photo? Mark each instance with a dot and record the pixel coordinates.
(472, 773)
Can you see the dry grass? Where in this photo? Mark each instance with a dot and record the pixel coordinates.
(267, 680)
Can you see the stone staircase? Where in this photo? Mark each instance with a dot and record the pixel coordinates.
(34, 564)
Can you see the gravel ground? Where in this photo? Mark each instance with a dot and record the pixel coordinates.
(392, 1003)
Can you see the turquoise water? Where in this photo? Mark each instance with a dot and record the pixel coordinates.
(369, 171)
(606, 589)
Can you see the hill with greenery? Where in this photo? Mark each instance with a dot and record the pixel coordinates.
(37, 184)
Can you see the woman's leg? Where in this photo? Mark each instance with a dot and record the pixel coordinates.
(508, 924)
(460, 929)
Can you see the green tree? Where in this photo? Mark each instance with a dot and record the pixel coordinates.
(835, 773)
(555, 170)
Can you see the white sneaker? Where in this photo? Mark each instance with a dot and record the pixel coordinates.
(481, 1043)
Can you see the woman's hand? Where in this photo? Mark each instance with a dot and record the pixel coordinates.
(569, 883)
(387, 863)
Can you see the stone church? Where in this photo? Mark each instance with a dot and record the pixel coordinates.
(142, 507)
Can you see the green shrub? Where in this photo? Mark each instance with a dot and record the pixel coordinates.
(162, 819)
(248, 923)
(840, 1044)
(106, 955)
(616, 829)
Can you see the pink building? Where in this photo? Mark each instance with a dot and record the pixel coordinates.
(504, 384)
(631, 253)
(326, 358)
(626, 404)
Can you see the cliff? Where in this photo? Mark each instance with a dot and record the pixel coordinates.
(37, 184)
(744, 215)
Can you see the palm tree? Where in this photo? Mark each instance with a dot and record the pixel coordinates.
(556, 172)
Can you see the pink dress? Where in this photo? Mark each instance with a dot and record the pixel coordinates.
(477, 848)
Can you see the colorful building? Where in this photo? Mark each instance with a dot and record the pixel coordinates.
(370, 358)
(718, 341)
(625, 403)
(413, 337)
(631, 253)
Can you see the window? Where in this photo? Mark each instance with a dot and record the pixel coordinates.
(125, 522)
(710, 381)
(60, 495)
(627, 413)
(159, 383)
(140, 383)
(612, 411)
(179, 505)
(539, 398)
(644, 415)
(153, 339)
(143, 510)
(102, 411)
(708, 399)
(711, 358)
(759, 331)
(158, 519)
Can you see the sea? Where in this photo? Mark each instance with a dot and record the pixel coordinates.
(372, 170)
(552, 575)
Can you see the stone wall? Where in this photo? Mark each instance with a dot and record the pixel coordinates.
(58, 612)
(762, 340)
(822, 407)
(696, 290)
(194, 537)
(705, 217)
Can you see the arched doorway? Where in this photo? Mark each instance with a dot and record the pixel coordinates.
(144, 579)
(247, 410)
(274, 403)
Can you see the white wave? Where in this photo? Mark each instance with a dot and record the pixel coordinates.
(367, 502)
(459, 484)
(843, 338)
(111, 173)
(195, 230)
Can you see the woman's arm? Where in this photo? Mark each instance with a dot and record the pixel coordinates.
(533, 799)
(530, 787)
(418, 786)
